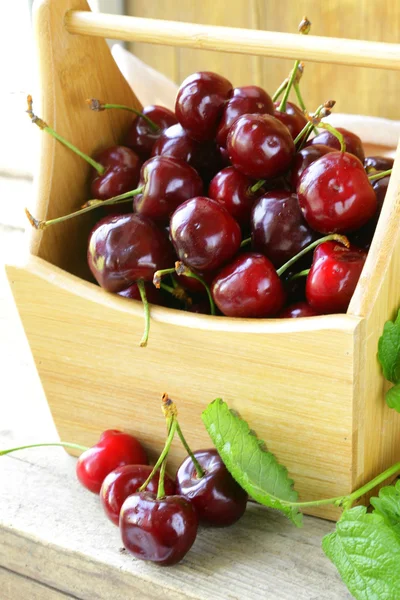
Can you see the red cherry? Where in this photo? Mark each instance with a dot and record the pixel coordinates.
(378, 163)
(114, 449)
(248, 287)
(204, 234)
(122, 169)
(335, 194)
(352, 141)
(161, 530)
(278, 229)
(124, 481)
(363, 236)
(260, 146)
(304, 158)
(293, 117)
(141, 136)
(333, 277)
(295, 311)
(167, 183)
(217, 498)
(127, 248)
(200, 102)
(232, 189)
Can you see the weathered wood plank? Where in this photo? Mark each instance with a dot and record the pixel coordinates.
(14, 586)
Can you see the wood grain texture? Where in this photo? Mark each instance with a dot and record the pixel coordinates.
(374, 20)
(18, 587)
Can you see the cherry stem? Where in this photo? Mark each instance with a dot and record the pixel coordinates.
(146, 309)
(161, 479)
(305, 132)
(63, 444)
(87, 207)
(199, 471)
(380, 175)
(178, 292)
(182, 269)
(282, 106)
(299, 96)
(300, 274)
(254, 188)
(162, 456)
(245, 242)
(98, 106)
(333, 236)
(336, 133)
(158, 275)
(45, 127)
(280, 90)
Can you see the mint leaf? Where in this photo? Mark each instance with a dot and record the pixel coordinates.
(248, 461)
(366, 552)
(389, 350)
(392, 397)
(388, 506)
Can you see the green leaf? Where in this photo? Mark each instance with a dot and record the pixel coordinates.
(392, 397)
(388, 506)
(389, 350)
(366, 552)
(249, 462)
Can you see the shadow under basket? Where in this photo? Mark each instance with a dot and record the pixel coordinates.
(312, 388)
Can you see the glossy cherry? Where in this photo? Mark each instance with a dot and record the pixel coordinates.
(378, 163)
(114, 449)
(122, 170)
(352, 141)
(278, 229)
(333, 277)
(248, 287)
(126, 480)
(304, 158)
(127, 248)
(217, 497)
(293, 117)
(166, 182)
(160, 530)
(363, 236)
(260, 146)
(245, 100)
(232, 189)
(204, 234)
(297, 310)
(200, 102)
(335, 194)
(141, 136)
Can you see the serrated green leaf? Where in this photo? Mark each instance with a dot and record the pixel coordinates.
(389, 350)
(366, 552)
(392, 397)
(249, 462)
(388, 506)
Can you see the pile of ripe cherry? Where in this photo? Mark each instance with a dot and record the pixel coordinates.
(227, 193)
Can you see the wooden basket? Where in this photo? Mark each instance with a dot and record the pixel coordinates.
(312, 388)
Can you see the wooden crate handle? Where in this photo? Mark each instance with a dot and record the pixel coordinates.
(239, 41)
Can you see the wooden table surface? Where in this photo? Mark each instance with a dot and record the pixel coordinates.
(55, 542)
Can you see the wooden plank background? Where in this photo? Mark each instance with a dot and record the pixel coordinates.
(356, 90)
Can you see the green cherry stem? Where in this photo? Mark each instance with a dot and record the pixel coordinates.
(62, 444)
(282, 106)
(336, 133)
(245, 242)
(146, 309)
(380, 175)
(334, 236)
(300, 100)
(162, 456)
(161, 488)
(254, 188)
(182, 269)
(45, 127)
(98, 106)
(158, 275)
(199, 471)
(280, 90)
(87, 207)
(300, 274)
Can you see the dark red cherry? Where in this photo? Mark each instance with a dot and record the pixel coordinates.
(260, 146)
(204, 234)
(167, 183)
(217, 497)
(161, 530)
(141, 136)
(124, 481)
(335, 194)
(363, 236)
(333, 277)
(378, 163)
(380, 187)
(232, 189)
(153, 294)
(352, 141)
(297, 310)
(278, 228)
(248, 287)
(127, 248)
(304, 158)
(200, 102)
(122, 170)
(247, 100)
(200, 306)
(114, 449)
(293, 117)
